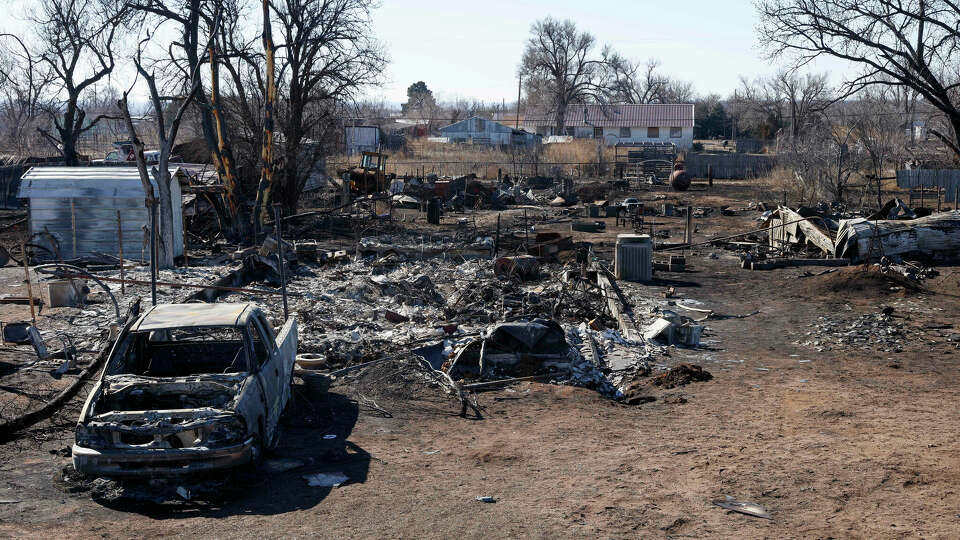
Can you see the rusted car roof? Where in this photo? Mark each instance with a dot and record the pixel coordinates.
(193, 315)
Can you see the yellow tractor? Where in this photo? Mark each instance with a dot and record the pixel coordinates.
(370, 177)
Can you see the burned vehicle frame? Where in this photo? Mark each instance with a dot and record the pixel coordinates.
(187, 388)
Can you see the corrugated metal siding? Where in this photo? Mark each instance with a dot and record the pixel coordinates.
(491, 132)
(96, 195)
(947, 179)
(361, 139)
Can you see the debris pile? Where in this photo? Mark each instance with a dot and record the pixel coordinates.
(876, 332)
(681, 375)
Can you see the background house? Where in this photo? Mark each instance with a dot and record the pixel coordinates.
(615, 124)
(478, 130)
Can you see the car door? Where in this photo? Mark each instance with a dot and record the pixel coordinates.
(286, 342)
(267, 370)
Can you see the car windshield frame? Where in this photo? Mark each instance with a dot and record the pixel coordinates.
(130, 337)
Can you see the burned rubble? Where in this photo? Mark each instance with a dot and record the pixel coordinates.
(360, 311)
(877, 332)
(408, 312)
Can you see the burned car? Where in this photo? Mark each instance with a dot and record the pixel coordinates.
(187, 388)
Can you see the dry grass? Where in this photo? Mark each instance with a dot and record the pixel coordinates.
(577, 158)
(780, 184)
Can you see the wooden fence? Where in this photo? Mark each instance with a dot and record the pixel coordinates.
(947, 180)
(729, 166)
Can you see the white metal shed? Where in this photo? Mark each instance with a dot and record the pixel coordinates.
(73, 211)
(361, 139)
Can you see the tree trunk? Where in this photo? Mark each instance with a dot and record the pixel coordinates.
(236, 226)
(68, 135)
(561, 119)
(165, 238)
(69, 151)
(289, 191)
(267, 181)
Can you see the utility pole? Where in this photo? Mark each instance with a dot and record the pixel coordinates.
(519, 89)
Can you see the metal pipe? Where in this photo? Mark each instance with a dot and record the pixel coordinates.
(123, 287)
(26, 273)
(193, 286)
(153, 251)
(765, 229)
(283, 273)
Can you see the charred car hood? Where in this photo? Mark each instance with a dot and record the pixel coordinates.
(178, 412)
(120, 393)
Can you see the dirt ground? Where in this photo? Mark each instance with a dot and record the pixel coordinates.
(849, 442)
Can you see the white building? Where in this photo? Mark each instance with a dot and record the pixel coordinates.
(620, 124)
(361, 139)
(73, 211)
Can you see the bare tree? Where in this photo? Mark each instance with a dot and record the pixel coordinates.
(899, 43)
(461, 108)
(167, 131)
(557, 66)
(805, 96)
(822, 161)
(326, 55)
(759, 107)
(24, 83)
(238, 114)
(183, 56)
(78, 40)
(879, 127)
(223, 156)
(626, 81)
(266, 185)
(786, 99)
(844, 157)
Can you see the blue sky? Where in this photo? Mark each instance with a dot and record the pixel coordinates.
(471, 48)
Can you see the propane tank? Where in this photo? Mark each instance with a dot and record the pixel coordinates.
(680, 179)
